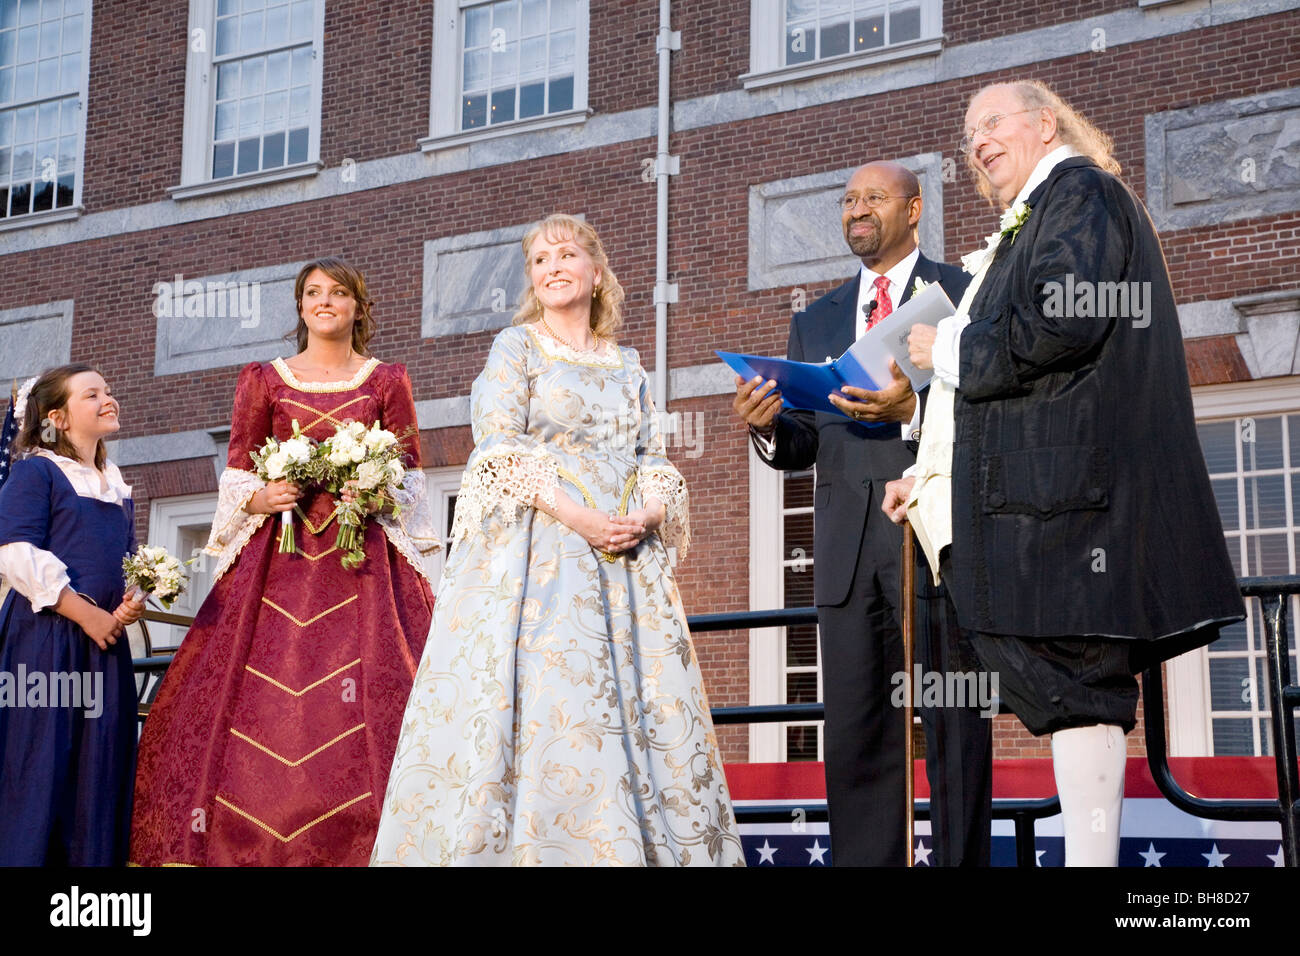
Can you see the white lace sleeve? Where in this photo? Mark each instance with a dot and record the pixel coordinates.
(667, 484)
(507, 481)
(411, 530)
(232, 526)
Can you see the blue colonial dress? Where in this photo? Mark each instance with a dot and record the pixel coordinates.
(66, 764)
(558, 715)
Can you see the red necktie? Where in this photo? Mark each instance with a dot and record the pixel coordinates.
(883, 305)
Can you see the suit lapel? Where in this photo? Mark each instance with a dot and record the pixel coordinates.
(839, 331)
(926, 270)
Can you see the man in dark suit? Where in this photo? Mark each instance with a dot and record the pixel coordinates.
(856, 551)
(1085, 540)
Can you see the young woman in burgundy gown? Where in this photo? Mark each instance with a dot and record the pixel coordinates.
(274, 730)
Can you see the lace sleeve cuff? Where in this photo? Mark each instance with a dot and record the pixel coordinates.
(411, 530)
(504, 481)
(232, 526)
(668, 485)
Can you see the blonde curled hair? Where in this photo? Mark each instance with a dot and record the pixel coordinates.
(607, 298)
(1073, 128)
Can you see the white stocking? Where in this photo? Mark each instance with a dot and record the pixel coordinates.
(1089, 766)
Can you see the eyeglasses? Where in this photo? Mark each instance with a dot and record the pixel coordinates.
(872, 200)
(987, 126)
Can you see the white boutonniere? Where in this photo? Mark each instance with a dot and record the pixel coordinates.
(919, 286)
(1008, 226)
(1012, 220)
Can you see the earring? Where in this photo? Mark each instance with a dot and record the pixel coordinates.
(48, 431)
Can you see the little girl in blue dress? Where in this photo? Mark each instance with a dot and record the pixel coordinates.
(67, 690)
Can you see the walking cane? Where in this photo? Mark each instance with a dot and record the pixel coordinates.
(909, 624)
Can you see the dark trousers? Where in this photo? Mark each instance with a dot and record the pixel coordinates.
(958, 740)
(862, 650)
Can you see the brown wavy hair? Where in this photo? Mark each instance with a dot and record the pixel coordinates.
(1074, 129)
(51, 392)
(363, 324)
(607, 298)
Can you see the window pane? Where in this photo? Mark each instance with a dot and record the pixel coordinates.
(273, 151)
(1232, 736)
(562, 52)
(904, 25)
(277, 71)
(1229, 683)
(298, 145)
(503, 105)
(227, 114)
(532, 58)
(8, 13)
(250, 31)
(1265, 502)
(248, 155)
(564, 14)
(227, 36)
(277, 25)
(561, 94)
(6, 86)
(299, 104)
(303, 18)
(476, 70)
(801, 687)
(533, 21)
(302, 61)
(251, 81)
(801, 742)
(478, 27)
(1266, 554)
(474, 111)
(275, 110)
(532, 100)
(868, 32)
(1231, 638)
(8, 48)
(834, 39)
(44, 196)
(801, 645)
(1261, 443)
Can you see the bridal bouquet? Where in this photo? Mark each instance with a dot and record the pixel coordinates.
(294, 460)
(369, 462)
(154, 571)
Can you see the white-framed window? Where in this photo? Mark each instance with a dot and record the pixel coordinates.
(44, 73)
(1250, 436)
(513, 65)
(795, 39)
(252, 93)
(785, 662)
(442, 485)
(181, 524)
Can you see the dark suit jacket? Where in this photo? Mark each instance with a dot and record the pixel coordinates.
(1081, 504)
(848, 455)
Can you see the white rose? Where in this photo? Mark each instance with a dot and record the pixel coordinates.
(297, 449)
(396, 471)
(276, 465)
(369, 475)
(355, 430)
(377, 439)
(358, 453)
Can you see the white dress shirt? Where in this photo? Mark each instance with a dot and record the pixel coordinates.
(37, 574)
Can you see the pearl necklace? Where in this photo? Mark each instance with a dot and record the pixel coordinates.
(559, 338)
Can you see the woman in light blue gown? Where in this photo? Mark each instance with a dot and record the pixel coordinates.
(558, 715)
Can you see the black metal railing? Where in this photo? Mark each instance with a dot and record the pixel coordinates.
(1284, 697)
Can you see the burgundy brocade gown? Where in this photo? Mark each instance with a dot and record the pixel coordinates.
(272, 736)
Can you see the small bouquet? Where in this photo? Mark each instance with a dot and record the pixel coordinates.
(154, 571)
(292, 460)
(370, 460)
